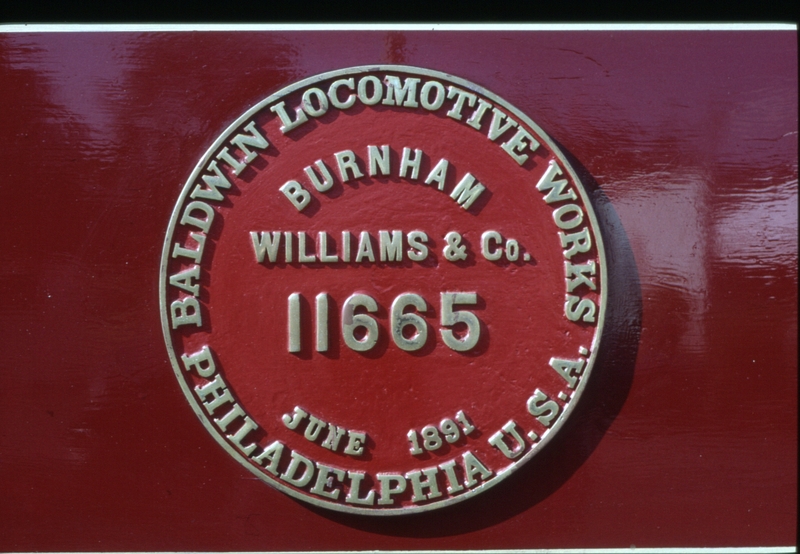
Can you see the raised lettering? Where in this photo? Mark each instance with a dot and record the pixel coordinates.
(555, 189)
(346, 160)
(465, 193)
(286, 122)
(266, 243)
(473, 467)
(202, 224)
(566, 368)
(334, 97)
(438, 174)
(202, 362)
(272, 454)
(213, 184)
(417, 250)
(391, 250)
(290, 475)
(185, 312)
(496, 127)
(323, 474)
(577, 275)
(424, 96)
(308, 104)
(364, 248)
(418, 485)
(297, 195)
(219, 392)
(516, 144)
(254, 139)
(327, 179)
(378, 159)
(574, 243)
(540, 405)
(498, 441)
(183, 280)
(455, 111)
(391, 484)
(407, 162)
(407, 91)
(355, 442)
(579, 309)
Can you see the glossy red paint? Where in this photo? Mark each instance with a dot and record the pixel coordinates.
(687, 432)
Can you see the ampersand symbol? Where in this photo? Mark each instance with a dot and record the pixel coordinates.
(454, 251)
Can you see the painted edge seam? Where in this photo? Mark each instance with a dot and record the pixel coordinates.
(632, 549)
(289, 27)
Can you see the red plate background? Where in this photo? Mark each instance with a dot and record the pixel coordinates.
(687, 433)
(386, 392)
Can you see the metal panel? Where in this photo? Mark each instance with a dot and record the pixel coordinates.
(685, 138)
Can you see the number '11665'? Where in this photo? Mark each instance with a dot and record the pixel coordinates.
(360, 331)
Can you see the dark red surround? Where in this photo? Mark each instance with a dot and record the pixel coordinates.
(687, 432)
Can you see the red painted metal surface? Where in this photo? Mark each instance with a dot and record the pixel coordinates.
(687, 432)
(467, 402)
